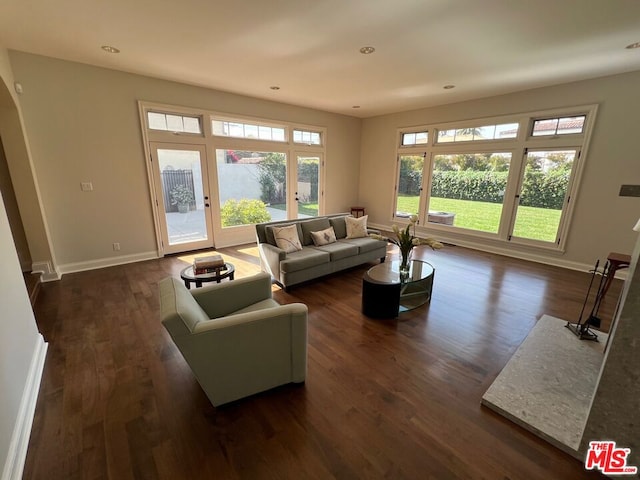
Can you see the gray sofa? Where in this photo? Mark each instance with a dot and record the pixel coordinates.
(311, 262)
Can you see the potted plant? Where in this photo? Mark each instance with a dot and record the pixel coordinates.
(407, 240)
(182, 197)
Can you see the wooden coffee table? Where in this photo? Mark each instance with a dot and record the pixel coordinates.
(189, 277)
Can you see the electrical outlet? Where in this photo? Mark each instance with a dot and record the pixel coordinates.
(86, 186)
(116, 247)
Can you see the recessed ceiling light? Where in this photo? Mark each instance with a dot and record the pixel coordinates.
(633, 45)
(367, 50)
(110, 49)
(274, 87)
(449, 87)
(356, 106)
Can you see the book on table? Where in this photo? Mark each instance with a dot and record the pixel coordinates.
(210, 264)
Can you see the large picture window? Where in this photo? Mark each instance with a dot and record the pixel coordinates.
(470, 188)
(252, 186)
(489, 178)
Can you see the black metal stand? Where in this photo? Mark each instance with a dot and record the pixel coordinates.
(581, 328)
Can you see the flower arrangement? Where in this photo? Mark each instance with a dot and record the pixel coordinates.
(406, 239)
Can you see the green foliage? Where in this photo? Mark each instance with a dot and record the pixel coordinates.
(411, 174)
(539, 189)
(483, 186)
(273, 178)
(243, 212)
(308, 172)
(544, 190)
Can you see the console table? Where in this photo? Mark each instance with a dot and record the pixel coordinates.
(386, 293)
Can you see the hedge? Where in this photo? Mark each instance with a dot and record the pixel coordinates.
(243, 212)
(542, 190)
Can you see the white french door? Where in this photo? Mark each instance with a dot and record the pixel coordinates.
(182, 196)
(544, 191)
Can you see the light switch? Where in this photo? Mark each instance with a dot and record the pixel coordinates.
(86, 186)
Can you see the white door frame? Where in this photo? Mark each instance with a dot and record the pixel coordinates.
(165, 247)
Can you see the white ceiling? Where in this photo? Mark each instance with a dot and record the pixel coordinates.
(310, 48)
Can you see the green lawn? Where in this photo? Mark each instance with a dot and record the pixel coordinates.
(310, 209)
(534, 223)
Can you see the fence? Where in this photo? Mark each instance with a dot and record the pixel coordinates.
(170, 180)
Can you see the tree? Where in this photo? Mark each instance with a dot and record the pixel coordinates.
(273, 178)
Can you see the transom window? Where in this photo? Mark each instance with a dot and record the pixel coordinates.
(173, 123)
(485, 132)
(558, 126)
(415, 138)
(238, 129)
(307, 137)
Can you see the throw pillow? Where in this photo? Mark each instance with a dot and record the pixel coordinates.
(287, 238)
(323, 237)
(356, 227)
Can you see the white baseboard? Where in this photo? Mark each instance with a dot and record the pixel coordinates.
(106, 262)
(48, 272)
(17, 454)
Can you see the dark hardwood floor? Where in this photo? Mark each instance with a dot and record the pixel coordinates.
(383, 399)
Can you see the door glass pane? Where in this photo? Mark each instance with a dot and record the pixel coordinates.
(181, 180)
(544, 188)
(467, 190)
(252, 186)
(409, 185)
(307, 193)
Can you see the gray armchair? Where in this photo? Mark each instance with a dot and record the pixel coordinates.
(235, 337)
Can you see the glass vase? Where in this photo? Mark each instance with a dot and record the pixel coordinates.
(404, 263)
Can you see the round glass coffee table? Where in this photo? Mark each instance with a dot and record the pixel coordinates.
(189, 277)
(386, 293)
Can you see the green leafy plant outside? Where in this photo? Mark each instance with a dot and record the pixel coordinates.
(243, 212)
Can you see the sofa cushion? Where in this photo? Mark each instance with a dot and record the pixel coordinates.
(356, 227)
(306, 258)
(314, 225)
(323, 237)
(268, 231)
(339, 226)
(365, 244)
(287, 238)
(339, 250)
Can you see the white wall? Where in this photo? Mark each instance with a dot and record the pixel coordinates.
(21, 346)
(83, 126)
(22, 174)
(602, 220)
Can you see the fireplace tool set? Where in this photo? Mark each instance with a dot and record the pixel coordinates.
(581, 328)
